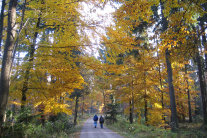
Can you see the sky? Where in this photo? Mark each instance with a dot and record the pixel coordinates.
(101, 18)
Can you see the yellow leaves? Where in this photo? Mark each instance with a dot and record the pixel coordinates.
(155, 117)
(101, 108)
(158, 105)
(54, 74)
(110, 91)
(15, 103)
(135, 12)
(177, 65)
(55, 107)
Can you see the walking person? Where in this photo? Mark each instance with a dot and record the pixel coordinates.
(101, 121)
(95, 119)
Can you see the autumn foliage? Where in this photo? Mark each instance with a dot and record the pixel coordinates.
(146, 60)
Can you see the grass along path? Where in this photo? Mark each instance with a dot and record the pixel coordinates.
(75, 132)
(186, 130)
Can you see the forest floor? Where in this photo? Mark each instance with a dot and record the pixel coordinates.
(88, 131)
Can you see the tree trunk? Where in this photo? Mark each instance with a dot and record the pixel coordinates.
(174, 121)
(145, 109)
(183, 114)
(189, 107)
(145, 96)
(145, 103)
(83, 103)
(161, 86)
(27, 73)
(204, 93)
(131, 104)
(104, 100)
(204, 41)
(91, 108)
(76, 110)
(202, 87)
(7, 59)
(20, 29)
(2, 21)
(188, 93)
(130, 112)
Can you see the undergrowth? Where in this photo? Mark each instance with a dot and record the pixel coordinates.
(135, 130)
(59, 127)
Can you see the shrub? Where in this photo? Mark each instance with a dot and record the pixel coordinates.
(24, 127)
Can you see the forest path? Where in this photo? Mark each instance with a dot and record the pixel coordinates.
(88, 131)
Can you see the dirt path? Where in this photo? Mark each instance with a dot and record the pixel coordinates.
(88, 131)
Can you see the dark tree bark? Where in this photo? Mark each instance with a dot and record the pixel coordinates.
(204, 41)
(27, 73)
(188, 93)
(174, 121)
(104, 100)
(145, 101)
(83, 103)
(204, 93)
(189, 108)
(131, 104)
(76, 109)
(2, 21)
(202, 87)
(130, 112)
(7, 59)
(145, 97)
(145, 109)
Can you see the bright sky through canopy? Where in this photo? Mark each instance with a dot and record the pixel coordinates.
(99, 18)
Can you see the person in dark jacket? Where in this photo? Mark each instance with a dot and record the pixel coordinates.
(95, 119)
(101, 121)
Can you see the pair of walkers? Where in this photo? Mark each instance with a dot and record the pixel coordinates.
(101, 121)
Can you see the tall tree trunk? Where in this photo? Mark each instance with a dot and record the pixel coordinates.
(145, 101)
(202, 87)
(7, 59)
(20, 29)
(204, 41)
(188, 93)
(189, 107)
(130, 111)
(104, 100)
(131, 104)
(76, 109)
(204, 93)
(161, 85)
(174, 121)
(30, 65)
(145, 108)
(83, 103)
(91, 108)
(145, 95)
(2, 21)
(183, 114)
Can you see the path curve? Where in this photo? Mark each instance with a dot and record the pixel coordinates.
(88, 131)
